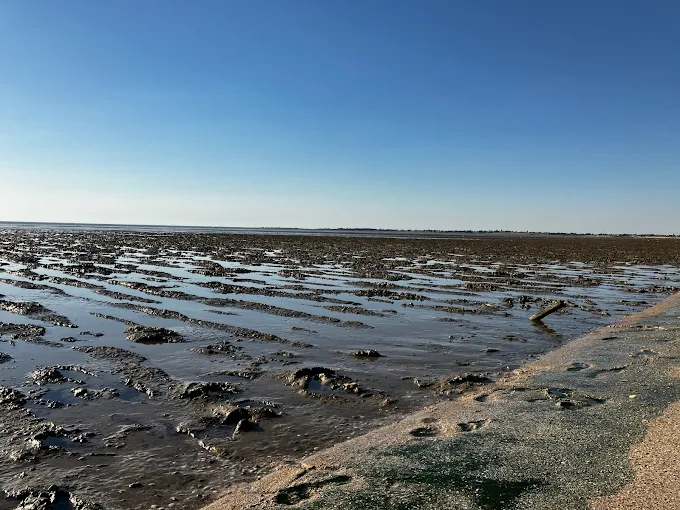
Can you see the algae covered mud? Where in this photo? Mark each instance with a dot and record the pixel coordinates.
(142, 368)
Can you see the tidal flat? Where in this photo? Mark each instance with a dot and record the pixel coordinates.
(142, 368)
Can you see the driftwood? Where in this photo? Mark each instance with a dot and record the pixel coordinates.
(557, 305)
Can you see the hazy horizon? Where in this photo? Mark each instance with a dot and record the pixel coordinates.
(320, 229)
(440, 115)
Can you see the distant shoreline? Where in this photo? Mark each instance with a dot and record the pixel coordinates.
(328, 232)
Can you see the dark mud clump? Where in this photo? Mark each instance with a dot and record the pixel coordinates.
(152, 335)
(356, 324)
(304, 330)
(52, 498)
(11, 398)
(31, 286)
(390, 294)
(212, 268)
(246, 418)
(140, 387)
(72, 282)
(90, 333)
(231, 415)
(149, 380)
(113, 318)
(208, 390)
(222, 348)
(367, 353)
(36, 311)
(485, 309)
(21, 331)
(423, 432)
(357, 310)
(125, 297)
(90, 394)
(26, 273)
(284, 354)
(470, 379)
(45, 432)
(47, 375)
(242, 374)
(309, 380)
(245, 426)
(50, 375)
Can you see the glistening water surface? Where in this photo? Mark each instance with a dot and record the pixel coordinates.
(156, 368)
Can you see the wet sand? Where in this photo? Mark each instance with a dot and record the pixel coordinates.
(216, 358)
(554, 434)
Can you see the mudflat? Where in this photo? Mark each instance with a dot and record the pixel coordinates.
(594, 424)
(218, 358)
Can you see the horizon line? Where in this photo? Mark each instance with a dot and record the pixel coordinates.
(337, 229)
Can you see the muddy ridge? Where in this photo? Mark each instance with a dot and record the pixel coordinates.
(217, 357)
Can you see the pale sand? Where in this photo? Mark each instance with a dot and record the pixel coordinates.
(656, 462)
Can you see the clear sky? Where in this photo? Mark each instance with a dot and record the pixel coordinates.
(451, 114)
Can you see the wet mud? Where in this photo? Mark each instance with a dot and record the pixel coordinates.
(213, 358)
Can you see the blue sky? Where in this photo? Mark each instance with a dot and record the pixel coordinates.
(522, 115)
